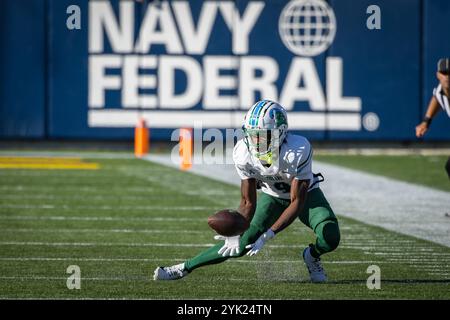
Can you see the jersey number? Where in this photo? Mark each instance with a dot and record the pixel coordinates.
(282, 186)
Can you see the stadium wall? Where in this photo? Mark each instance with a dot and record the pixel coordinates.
(179, 63)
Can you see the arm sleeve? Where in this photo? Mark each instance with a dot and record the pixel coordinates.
(304, 166)
(239, 163)
(242, 173)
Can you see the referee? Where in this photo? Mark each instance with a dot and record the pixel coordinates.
(440, 99)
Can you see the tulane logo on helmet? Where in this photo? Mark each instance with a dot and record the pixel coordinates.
(265, 127)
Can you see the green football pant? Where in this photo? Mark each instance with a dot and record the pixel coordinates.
(316, 214)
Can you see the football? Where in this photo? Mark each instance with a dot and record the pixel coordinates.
(228, 223)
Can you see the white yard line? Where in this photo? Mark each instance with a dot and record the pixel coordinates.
(126, 244)
(175, 245)
(97, 231)
(91, 218)
(26, 189)
(103, 244)
(85, 259)
(175, 260)
(62, 278)
(68, 154)
(146, 195)
(107, 208)
(394, 205)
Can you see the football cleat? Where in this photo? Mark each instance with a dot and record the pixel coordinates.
(170, 273)
(315, 269)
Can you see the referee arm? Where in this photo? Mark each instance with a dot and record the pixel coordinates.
(432, 110)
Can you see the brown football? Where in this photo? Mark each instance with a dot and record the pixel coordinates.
(228, 223)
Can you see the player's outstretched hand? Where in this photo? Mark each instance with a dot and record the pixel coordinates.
(231, 246)
(255, 247)
(421, 129)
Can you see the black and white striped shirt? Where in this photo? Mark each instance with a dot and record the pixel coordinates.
(442, 99)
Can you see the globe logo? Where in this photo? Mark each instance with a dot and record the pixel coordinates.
(307, 27)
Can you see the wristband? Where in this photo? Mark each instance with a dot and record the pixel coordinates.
(427, 120)
(270, 234)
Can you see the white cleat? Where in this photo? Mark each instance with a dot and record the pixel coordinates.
(316, 272)
(170, 273)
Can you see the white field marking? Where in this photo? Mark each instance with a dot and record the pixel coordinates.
(385, 245)
(68, 154)
(443, 267)
(84, 278)
(110, 196)
(77, 189)
(433, 268)
(420, 264)
(397, 243)
(424, 254)
(165, 231)
(212, 192)
(390, 248)
(406, 248)
(137, 278)
(392, 242)
(84, 218)
(57, 182)
(222, 200)
(171, 185)
(67, 207)
(432, 261)
(424, 267)
(102, 244)
(88, 298)
(66, 174)
(429, 266)
(385, 151)
(388, 245)
(175, 260)
(111, 299)
(346, 228)
(54, 174)
(85, 196)
(122, 244)
(347, 240)
(301, 261)
(87, 259)
(365, 237)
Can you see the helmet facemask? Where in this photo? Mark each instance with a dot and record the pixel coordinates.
(263, 144)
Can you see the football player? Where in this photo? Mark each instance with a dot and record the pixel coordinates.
(280, 162)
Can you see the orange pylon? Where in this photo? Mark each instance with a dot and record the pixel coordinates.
(186, 148)
(141, 139)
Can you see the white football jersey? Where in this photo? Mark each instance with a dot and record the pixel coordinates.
(442, 99)
(295, 162)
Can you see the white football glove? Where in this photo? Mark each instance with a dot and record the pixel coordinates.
(231, 246)
(255, 247)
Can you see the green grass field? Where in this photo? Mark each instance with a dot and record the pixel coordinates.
(119, 222)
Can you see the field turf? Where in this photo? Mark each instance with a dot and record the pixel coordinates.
(120, 221)
(419, 169)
